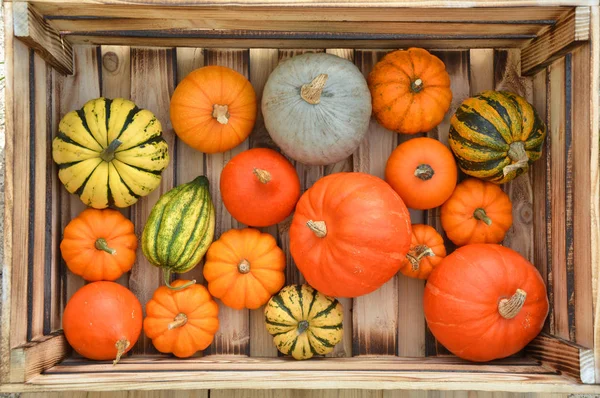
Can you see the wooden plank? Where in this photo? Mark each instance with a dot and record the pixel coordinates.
(320, 12)
(240, 40)
(73, 92)
(116, 83)
(190, 162)
(31, 28)
(481, 70)
(21, 207)
(8, 211)
(234, 334)
(375, 326)
(296, 394)
(151, 65)
(556, 135)
(41, 198)
(568, 358)
(121, 394)
(31, 359)
(261, 63)
(570, 31)
(520, 236)
(582, 210)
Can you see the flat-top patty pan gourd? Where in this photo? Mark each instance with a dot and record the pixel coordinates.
(180, 228)
(317, 107)
(496, 135)
(304, 322)
(110, 152)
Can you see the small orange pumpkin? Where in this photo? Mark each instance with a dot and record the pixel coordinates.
(410, 90)
(244, 268)
(181, 322)
(259, 187)
(423, 172)
(426, 252)
(213, 109)
(477, 212)
(99, 245)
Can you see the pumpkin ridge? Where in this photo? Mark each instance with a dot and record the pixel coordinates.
(327, 310)
(281, 305)
(192, 234)
(128, 120)
(321, 340)
(485, 128)
(476, 144)
(479, 106)
(82, 115)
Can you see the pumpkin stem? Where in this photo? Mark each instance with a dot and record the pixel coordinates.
(509, 308)
(302, 326)
(180, 320)
(122, 345)
(424, 172)
(221, 113)
(263, 175)
(312, 91)
(481, 215)
(167, 278)
(101, 244)
(416, 254)
(416, 86)
(108, 154)
(244, 266)
(517, 154)
(318, 227)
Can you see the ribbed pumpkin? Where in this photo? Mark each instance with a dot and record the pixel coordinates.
(180, 228)
(213, 109)
(110, 152)
(496, 135)
(350, 234)
(304, 322)
(244, 268)
(484, 302)
(426, 252)
(410, 91)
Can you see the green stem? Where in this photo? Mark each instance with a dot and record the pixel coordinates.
(101, 244)
(481, 215)
(302, 326)
(108, 154)
(167, 276)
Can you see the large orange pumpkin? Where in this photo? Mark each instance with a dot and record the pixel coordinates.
(485, 301)
(423, 172)
(102, 321)
(213, 109)
(99, 245)
(477, 212)
(259, 187)
(426, 252)
(410, 90)
(350, 234)
(181, 322)
(244, 268)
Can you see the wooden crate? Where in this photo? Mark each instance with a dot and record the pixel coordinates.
(61, 54)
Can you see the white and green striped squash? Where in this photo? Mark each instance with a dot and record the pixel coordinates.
(110, 152)
(304, 322)
(180, 228)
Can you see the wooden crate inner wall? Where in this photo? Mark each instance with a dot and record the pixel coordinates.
(551, 204)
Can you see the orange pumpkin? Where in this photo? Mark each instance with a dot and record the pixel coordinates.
(99, 245)
(477, 212)
(181, 322)
(350, 234)
(426, 252)
(244, 268)
(102, 321)
(485, 301)
(259, 187)
(423, 172)
(213, 109)
(410, 91)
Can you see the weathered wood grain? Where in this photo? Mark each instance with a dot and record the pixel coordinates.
(190, 162)
(32, 358)
(152, 83)
(481, 70)
(375, 326)
(22, 261)
(31, 28)
(234, 335)
(553, 42)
